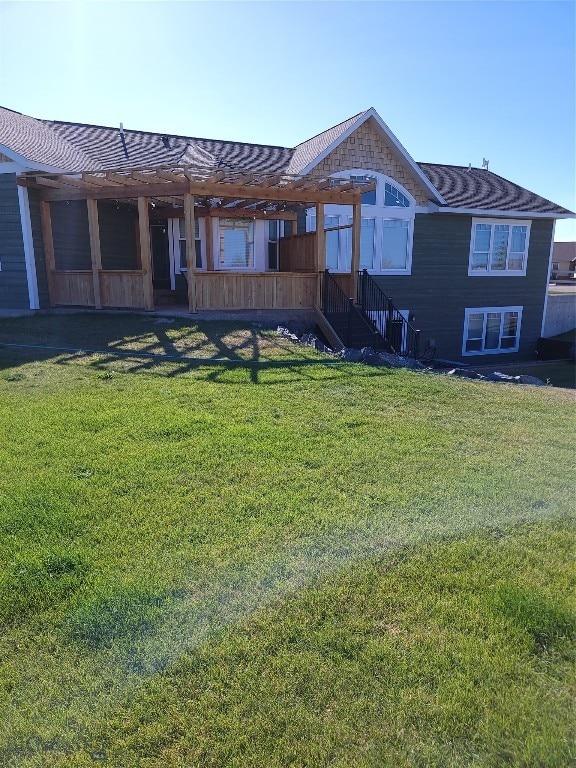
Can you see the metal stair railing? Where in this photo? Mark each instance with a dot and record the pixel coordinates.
(348, 322)
(399, 334)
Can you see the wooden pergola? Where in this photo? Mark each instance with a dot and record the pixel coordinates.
(189, 192)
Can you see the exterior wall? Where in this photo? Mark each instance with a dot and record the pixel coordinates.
(70, 234)
(13, 277)
(367, 148)
(118, 225)
(439, 288)
(560, 314)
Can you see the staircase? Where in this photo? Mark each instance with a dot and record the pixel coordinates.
(369, 320)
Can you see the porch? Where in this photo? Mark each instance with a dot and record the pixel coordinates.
(101, 274)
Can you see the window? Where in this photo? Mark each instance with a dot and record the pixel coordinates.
(274, 234)
(182, 244)
(236, 244)
(332, 242)
(498, 247)
(491, 330)
(395, 244)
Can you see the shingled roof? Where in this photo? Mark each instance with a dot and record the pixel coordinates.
(477, 188)
(78, 147)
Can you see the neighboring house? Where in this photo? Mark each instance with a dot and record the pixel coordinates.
(563, 261)
(105, 217)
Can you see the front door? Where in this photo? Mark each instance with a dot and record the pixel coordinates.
(160, 255)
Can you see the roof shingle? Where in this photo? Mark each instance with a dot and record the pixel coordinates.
(77, 147)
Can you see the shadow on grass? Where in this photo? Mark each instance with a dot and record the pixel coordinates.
(167, 347)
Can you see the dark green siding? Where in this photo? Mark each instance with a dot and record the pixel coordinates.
(118, 226)
(13, 277)
(439, 288)
(72, 238)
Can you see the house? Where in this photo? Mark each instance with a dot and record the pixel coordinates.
(445, 259)
(563, 261)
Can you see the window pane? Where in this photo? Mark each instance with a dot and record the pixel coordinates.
(272, 255)
(368, 198)
(272, 230)
(394, 243)
(367, 228)
(475, 325)
(311, 223)
(500, 246)
(182, 254)
(235, 243)
(482, 238)
(510, 326)
(515, 262)
(393, 196)
(518, 242)
(480, 261)
(492, 336)
(474, 345)
(182, 225)
(198, 254)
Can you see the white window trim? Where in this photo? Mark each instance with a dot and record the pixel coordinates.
(499, 272)
(174, 248)
(485, 310)
(378, 212)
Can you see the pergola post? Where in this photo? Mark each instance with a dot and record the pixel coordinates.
(145, 252)
(95, 252)
(48, 242)
(320, 249)
(190, 250)
(355, 263)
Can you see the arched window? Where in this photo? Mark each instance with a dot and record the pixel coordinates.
(386, 229)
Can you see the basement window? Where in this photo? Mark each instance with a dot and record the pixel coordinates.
(491, 330)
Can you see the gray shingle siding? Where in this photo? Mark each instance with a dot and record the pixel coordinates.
(13, 277)
(439, 288)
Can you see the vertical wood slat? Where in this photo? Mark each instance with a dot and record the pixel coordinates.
(320, 249)
(145, 252)
(355, 263)
(209, 244)
(190, 251)
(95, 252)
(48, 242)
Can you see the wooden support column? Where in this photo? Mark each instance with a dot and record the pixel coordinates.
(48, 242)
(355, 264)
(320, 249)
(95, 253)
(145, 252)
(209, 244)
(190, 250)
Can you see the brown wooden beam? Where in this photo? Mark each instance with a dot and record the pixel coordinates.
(48, 242)
(95, 252)
(145, 252)
(190, 251)
(204, 189)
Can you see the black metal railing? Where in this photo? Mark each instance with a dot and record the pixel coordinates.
(352, 328)
(400, 335)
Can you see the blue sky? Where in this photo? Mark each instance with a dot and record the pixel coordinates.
(455, 81)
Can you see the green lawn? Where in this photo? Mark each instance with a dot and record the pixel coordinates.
(279, 560)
